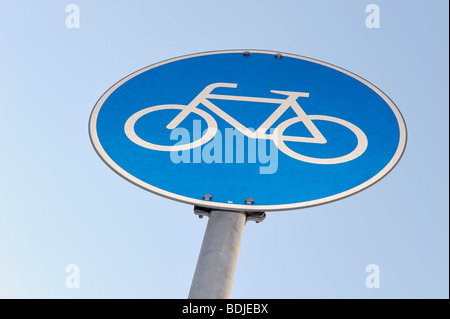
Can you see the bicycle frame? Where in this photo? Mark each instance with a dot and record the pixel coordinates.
(290, 101)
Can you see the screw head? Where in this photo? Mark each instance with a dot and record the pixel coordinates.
(278, 56)
(207, 197)
(246, 53)
(249, 201)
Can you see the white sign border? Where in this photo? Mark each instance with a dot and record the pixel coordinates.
(254, 208)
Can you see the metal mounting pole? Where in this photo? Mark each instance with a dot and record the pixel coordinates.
(217, 261)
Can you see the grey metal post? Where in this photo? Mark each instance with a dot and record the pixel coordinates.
(217, 261)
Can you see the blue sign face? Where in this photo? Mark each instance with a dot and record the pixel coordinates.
(253, 131)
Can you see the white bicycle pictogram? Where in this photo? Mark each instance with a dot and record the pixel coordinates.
(277, 136)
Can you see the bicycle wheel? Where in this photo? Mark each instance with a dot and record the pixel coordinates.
(358, 151)
(131, 134)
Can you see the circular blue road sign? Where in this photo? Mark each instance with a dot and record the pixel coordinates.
(248, 130)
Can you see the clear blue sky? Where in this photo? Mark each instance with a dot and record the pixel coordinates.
(60, 205)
